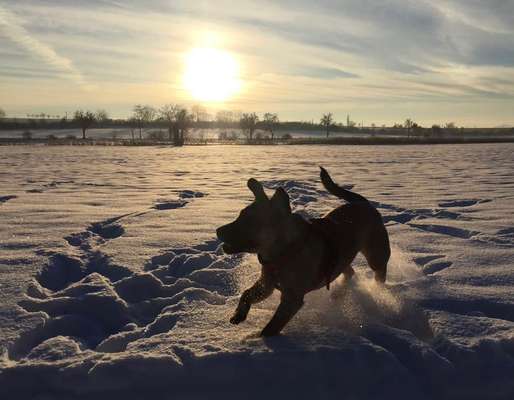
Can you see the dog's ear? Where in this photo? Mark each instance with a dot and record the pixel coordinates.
(280, 201)
(256, 187)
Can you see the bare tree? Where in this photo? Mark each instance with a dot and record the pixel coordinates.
(198, 113)
(137, 117)
(2, 113)
(349, 122)
(224, 118)
(101, 115)
(416, 128)
(248, 123)
(327, 122)
(133, 124)
(143, 115)
(168, 113)
(408, 124)
(184, 120)
(85, 119)
(270, 123)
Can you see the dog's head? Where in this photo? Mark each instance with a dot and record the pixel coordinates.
(258, 223)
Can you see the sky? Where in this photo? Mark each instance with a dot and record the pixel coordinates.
(379, 61)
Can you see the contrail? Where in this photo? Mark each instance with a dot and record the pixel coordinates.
(11, 28)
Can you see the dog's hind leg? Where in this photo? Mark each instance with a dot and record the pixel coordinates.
(380, 271)
(377, 253)
(260, 291)
(348, 273)
(288, 307)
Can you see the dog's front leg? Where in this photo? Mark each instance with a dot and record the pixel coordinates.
(260, 291)
(288, 307)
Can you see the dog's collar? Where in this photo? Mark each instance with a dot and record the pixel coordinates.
(284, 258)
(320, 225)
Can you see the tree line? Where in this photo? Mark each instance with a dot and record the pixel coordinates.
(178, 120)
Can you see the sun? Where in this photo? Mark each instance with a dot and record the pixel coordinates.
(211, 74)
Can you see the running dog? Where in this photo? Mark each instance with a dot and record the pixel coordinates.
(299, 255)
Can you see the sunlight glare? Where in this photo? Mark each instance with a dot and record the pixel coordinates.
(211, 74)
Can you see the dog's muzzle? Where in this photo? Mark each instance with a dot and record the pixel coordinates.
(222, 233)
(232, 242)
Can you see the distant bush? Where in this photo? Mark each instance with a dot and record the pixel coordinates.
(51, 137)
(71, 137)
(27, 135)
(234, 135)
(436, 130)
(286, 136)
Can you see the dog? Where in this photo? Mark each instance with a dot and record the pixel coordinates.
(298, 255)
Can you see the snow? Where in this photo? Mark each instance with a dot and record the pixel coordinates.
(113, 283)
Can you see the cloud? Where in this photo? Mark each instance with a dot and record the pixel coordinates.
(327, 73)
(11, 28)
(326, 53)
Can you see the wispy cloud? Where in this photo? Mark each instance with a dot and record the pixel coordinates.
(12, 29)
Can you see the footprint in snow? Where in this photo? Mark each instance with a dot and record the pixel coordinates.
(462, 203)
(3, 199)
(169, 204)
(111, 230)
(184, 197)
(437, 266)
(190, 194)
(445, 230)
(104, 307)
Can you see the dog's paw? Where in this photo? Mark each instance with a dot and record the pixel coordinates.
(237, 318)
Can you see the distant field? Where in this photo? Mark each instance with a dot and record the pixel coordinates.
(125, 133)
(298, 136)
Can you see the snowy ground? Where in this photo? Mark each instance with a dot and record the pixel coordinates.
(112, 281)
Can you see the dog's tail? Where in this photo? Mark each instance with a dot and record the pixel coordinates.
(337, 190)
